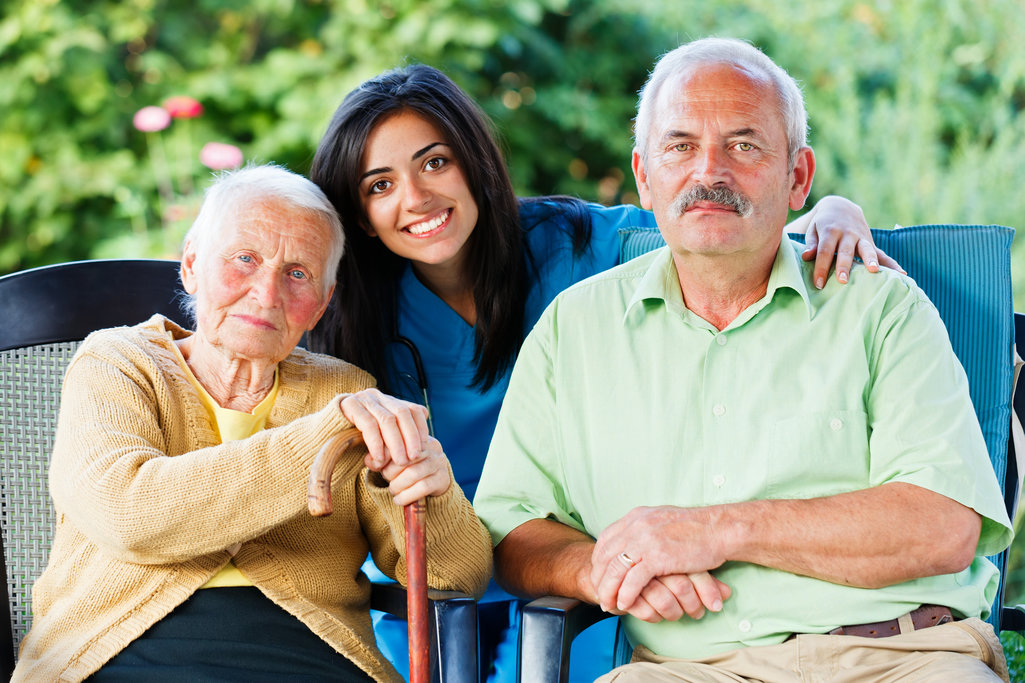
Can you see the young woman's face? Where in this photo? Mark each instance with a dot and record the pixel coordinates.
(415, 194)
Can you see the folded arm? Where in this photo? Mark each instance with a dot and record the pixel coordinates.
(545, 557)
(870, 538)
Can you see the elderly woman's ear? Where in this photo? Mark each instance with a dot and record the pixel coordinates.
(188, 267)
(323, 308)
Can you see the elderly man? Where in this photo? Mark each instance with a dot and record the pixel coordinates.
(811, 457)
(183, 548)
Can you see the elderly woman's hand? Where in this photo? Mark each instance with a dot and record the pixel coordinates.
(395, 431)
(426, 476)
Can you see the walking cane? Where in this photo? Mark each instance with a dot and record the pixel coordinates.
(319, 502)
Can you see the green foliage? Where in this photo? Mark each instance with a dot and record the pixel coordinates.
(1014, 650)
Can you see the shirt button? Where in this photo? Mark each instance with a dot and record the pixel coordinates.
(718, 410)
(718, 480)
(836, 424)
(744, 626)
(720, 339)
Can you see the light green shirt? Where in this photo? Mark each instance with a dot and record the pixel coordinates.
(622, 397)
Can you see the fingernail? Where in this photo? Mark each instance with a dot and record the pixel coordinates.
(873, 264)
(717, 606)
(820, 283)
(842, 277)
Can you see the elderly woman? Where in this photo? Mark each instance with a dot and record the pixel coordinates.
(183, 548)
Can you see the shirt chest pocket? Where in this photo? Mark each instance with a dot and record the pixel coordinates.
(819, 454)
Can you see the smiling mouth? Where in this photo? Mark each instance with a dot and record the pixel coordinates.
(425, 227)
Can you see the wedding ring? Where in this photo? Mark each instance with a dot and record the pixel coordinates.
(627, 561)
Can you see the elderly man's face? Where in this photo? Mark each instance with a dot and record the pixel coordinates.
(717, 172)
(261, 286)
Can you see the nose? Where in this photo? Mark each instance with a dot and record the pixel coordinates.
(416, 195)
(267, 289)
(711, 166)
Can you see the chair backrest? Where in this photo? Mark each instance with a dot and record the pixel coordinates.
(45, 313)
(966, 271)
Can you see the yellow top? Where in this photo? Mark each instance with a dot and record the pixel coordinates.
(232, 425)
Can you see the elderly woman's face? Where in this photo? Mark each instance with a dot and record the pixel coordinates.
(261, 284)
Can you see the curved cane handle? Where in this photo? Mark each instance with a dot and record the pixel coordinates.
(318, 489)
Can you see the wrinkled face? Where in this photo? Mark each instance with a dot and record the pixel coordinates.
(261, 285)
(415, 194)
(716, 173)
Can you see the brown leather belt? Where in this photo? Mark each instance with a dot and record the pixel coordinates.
(923, 617)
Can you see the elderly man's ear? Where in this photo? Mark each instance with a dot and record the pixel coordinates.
(801, 177)
(641, 178)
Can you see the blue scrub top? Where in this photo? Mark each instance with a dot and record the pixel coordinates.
(464, 416)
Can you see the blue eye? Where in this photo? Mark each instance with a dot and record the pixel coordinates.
(298, 274)
(245, 258)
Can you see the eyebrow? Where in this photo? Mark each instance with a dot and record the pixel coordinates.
(738, 133)
(416, 155)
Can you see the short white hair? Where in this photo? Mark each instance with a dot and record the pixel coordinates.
(688, 57)
(232, 191)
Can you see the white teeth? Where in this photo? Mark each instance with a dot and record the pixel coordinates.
(427, 226)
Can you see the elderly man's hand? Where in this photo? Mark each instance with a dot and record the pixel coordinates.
(426, 476)
(395, 431)
(668, 598)
(666, 543)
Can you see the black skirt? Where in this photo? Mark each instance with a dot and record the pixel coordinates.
(228, 634)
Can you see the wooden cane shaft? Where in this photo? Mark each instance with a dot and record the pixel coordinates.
(416, 593)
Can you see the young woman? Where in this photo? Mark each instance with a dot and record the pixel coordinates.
(446, 271)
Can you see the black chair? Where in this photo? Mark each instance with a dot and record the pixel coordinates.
(44, 314)
(966, 271)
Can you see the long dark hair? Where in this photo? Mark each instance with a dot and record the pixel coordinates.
(361, 319)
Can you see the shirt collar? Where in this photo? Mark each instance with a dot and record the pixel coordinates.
(660, 282)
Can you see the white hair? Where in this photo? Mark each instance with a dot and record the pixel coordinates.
(232, 191)
(688, 57)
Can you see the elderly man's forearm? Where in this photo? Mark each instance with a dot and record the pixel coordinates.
(869, 539)
(544, 557)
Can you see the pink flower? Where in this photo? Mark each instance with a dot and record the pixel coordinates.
(183, 107)
(219, 156)
(151, 119)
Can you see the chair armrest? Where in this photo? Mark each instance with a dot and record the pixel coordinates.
(548, 626)
(1013, 618)
(453, 629)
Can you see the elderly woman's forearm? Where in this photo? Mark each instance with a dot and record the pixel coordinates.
(130, 497)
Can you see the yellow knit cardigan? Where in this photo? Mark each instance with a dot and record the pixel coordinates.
(148, 501)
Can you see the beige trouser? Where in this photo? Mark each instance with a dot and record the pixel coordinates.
(961, 651)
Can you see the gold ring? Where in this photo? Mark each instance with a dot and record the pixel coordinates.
(627, 561)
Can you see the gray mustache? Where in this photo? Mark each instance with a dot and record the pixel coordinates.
(717, 195)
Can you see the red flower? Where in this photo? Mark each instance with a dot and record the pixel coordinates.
(183, 107)
(151, 119)
(219, 156)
